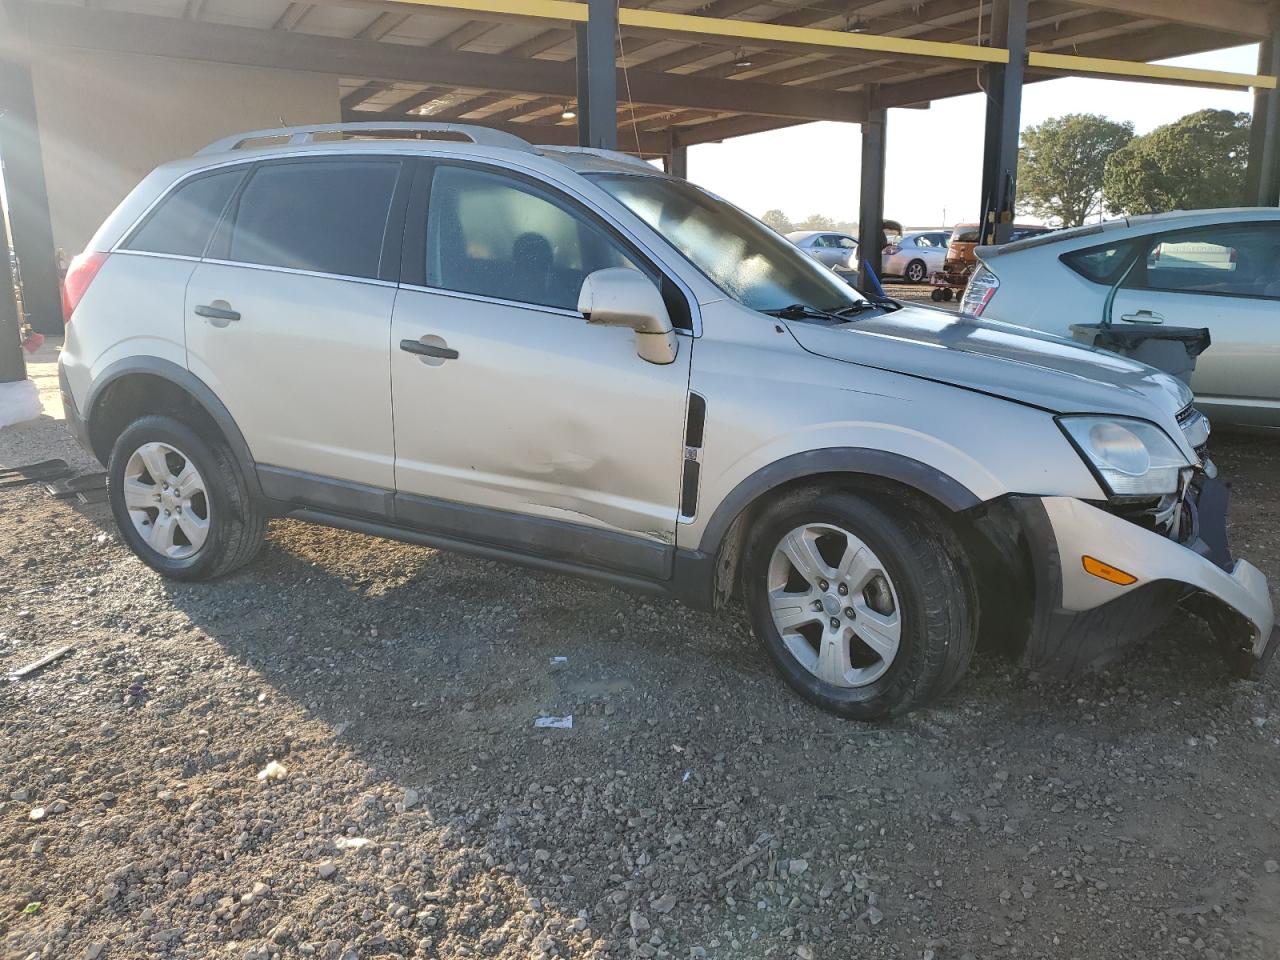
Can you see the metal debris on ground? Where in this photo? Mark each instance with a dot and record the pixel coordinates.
(34, 473)
(88, 485)
(35, 665)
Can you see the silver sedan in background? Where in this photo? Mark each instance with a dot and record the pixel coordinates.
(838, 251)
(917, 255)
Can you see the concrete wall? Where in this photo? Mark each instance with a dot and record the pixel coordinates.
(107, 119)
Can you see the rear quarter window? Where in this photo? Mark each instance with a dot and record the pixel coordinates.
(181, 223)
(1105, 263)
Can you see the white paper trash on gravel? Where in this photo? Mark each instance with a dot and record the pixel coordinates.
(555, 723)
(19, 402)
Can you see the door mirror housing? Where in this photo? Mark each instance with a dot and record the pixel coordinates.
(618, 297)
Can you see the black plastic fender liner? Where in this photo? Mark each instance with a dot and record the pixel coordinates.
(193, 385)
(853, 460)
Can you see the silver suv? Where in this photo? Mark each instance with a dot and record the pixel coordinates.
(444, 335)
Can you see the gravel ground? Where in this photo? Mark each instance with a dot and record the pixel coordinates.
(333, 753)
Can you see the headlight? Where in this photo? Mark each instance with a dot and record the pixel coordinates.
(1132, 457)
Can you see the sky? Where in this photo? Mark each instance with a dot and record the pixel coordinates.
(934, 155)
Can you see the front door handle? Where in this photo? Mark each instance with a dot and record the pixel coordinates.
(438, 351)
(219, 312)
(1143, 316)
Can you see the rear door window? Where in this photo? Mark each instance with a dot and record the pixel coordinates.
(321, 216)
(181, 223)
(1238, 259)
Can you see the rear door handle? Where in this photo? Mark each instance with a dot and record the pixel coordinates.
(428, 350)
(1143, 316)
(224, 313)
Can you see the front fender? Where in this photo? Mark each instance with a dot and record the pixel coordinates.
(920, 476)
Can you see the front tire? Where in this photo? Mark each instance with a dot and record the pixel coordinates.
(180, 500)
(864, 606)
(916, 271)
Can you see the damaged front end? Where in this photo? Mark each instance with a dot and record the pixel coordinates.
(1098, 576)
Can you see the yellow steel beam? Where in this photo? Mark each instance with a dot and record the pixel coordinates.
(1096, 66)
(772, 34)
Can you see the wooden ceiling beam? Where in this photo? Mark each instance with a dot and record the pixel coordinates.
(393, 62)
(1225, 16)
(560, 135)
(383, 24)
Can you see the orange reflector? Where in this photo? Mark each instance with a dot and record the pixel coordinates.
(1104, 571)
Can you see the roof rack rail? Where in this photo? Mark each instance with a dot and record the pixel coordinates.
(481, 136)
(616, 155)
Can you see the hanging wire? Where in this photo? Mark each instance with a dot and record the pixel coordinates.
(626, 78)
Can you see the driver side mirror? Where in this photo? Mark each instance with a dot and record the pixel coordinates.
(618, 297)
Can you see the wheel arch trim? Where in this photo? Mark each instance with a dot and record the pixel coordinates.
(197, 389)
(865, 461)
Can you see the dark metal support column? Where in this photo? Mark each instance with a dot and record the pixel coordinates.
(13, 365)
(584, 86)
(600, 80)
(678, 164)
(1003, 84)
(28, 196)
(871, 198)
(1263, 179)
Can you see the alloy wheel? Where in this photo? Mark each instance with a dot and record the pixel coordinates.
(834, 605)
(167, 500)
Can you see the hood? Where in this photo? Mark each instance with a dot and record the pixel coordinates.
(1000, 359)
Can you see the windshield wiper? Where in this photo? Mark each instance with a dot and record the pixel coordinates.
(864, 305)
(802, 311)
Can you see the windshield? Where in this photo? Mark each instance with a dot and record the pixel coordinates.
(739, 254)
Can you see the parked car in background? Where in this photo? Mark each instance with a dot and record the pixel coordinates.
(1217, 269)
(916, 255)
(838, 251)
(958, 264)
(877, 484)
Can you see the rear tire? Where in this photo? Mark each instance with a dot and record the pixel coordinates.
(180, 500)
(884, 617)
(916, 271)
(936, 295)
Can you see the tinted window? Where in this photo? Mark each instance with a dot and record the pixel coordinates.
(966, 235)
(1241, 259)
(323, 216)
(498, 237)
(181, 224)
(1103, 264)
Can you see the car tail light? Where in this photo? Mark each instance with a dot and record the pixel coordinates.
(982, 287)
(75, 284)
(891, 249)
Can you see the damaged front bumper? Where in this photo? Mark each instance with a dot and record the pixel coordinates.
(1080, 620)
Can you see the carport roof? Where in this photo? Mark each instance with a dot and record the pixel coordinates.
(692, 71)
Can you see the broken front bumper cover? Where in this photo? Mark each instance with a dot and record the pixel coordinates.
(1081, 621)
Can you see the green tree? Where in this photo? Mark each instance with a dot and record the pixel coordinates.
(1191, 164)
(816, 221)
(779, 221)
(1061, 164)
